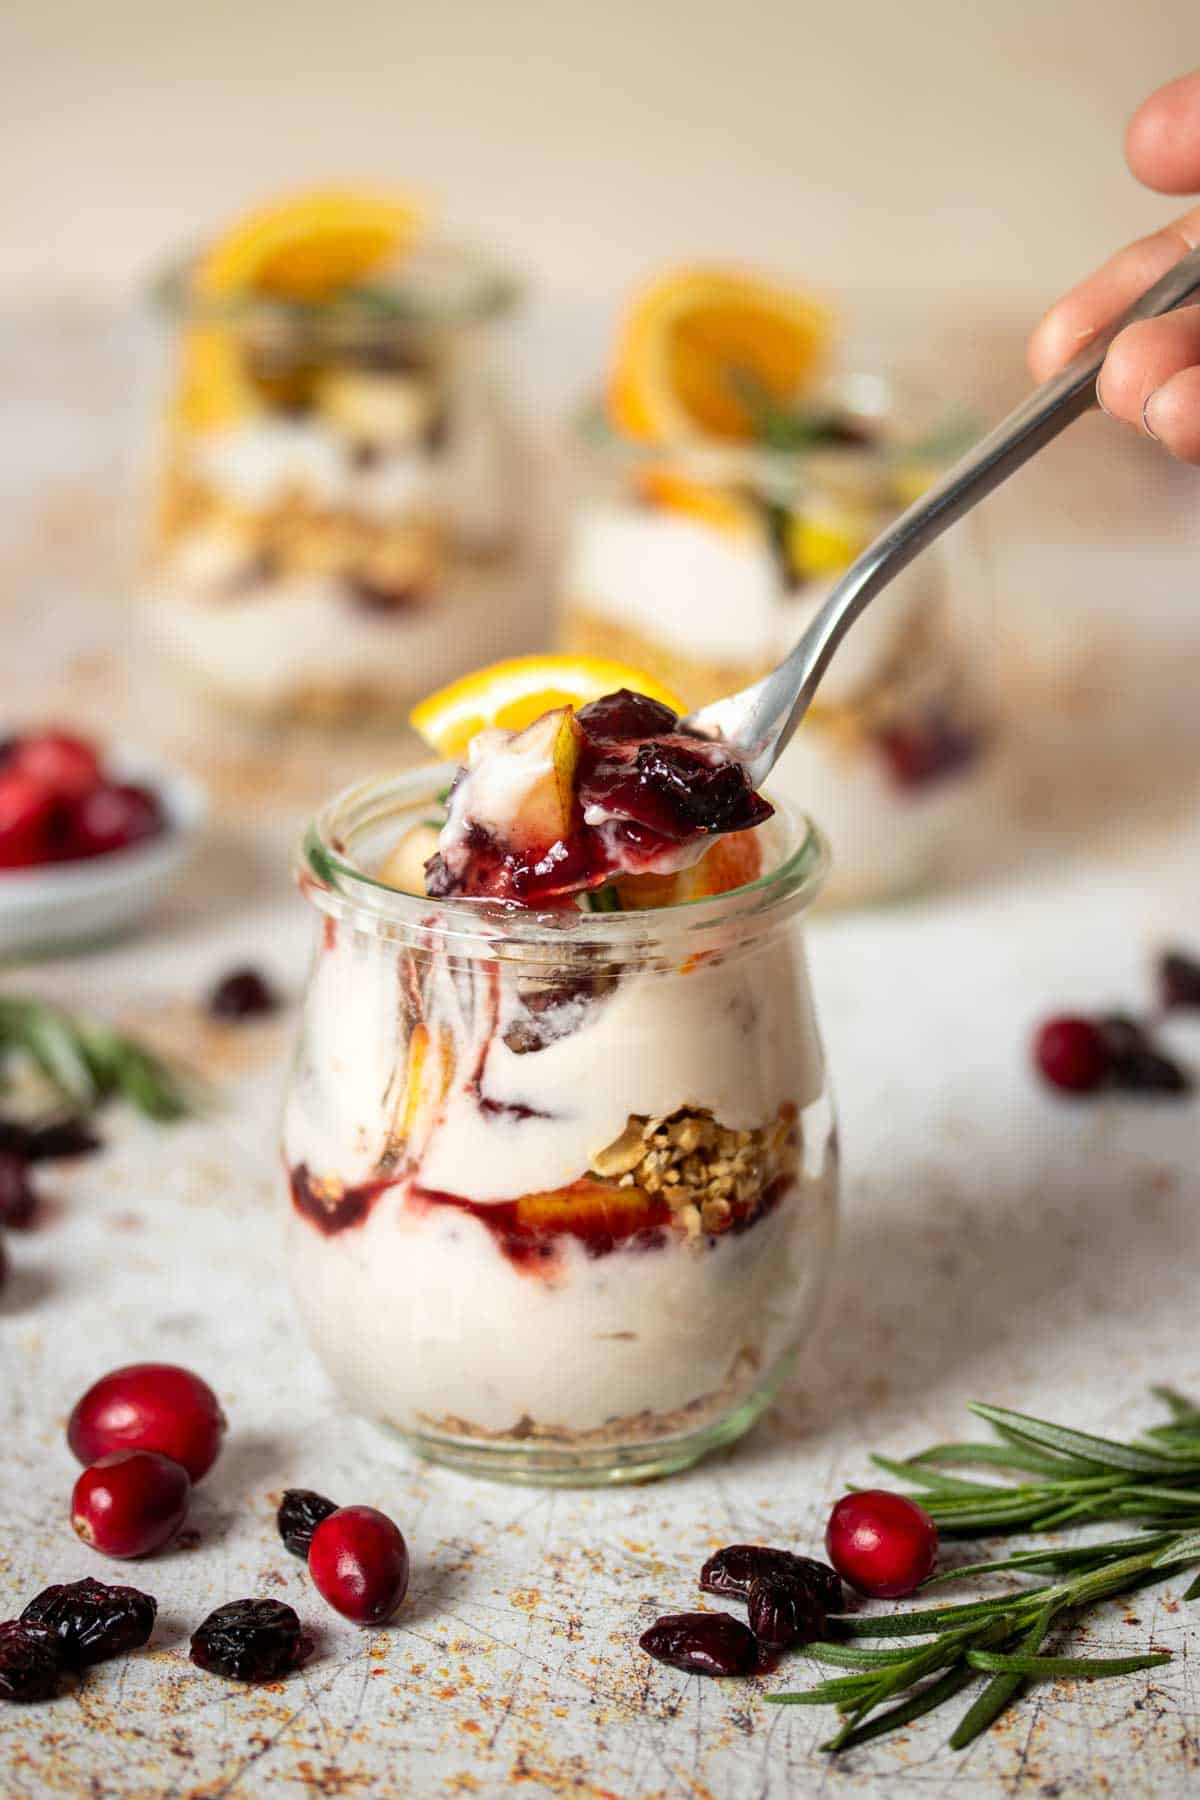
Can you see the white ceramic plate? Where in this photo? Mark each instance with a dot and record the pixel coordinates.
(61, 904)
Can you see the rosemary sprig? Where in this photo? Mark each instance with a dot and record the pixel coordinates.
(86, 1062)
(1062, 1476)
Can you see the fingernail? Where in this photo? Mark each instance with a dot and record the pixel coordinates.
(1100, 395)
(1147, 414)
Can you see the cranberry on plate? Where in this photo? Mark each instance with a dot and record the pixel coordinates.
(64, 764)
(27, 819)
(883, 1544)
(111, 816)
(149, 1406)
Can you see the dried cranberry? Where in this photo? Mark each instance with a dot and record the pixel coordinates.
(57, 1139)
(250, 1640)
(149, 1406)
(18, 1200)
(624, 714)
(918, 754)
(784, 1612)
(373, 597)
(673, 789)
(30, 1660)
(300, 1512)
(1135, 1061)
(3, 1264)
(130, 1504)
(703, 1643)
(111, 817)
(94, 1619)
(732, 1570)
(27, 818)
(883, 1544)
(1071, 1054)
(242, 994)
(359, 1563)
(1178, 979)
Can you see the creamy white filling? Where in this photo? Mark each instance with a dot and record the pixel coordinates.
(258, 464)
(716, 595)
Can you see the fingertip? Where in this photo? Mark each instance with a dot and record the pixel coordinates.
(1162, 139)
(1171, 415)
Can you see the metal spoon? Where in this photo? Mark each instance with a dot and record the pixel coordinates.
(759, 721)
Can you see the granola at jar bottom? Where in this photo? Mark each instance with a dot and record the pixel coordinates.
(560, 1182)
(333, 510)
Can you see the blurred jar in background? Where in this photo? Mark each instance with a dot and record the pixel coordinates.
(336, 481)
(724, 486)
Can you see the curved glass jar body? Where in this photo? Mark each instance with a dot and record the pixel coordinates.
(334, 493)
(561, 1188)
(702, 565)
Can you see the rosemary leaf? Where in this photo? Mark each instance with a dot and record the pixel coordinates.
(1184, 1550)
(1178, 1405)
(1193, 1593)
(924, 1701)
(1095, 1666)
(855, 1656)
(1103, 1453)
(1003, 1688)
(926, 1624)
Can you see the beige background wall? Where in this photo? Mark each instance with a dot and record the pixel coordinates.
(972, 145)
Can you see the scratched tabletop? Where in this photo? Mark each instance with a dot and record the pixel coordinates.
(996, 1244)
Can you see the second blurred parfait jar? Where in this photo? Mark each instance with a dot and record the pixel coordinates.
(726, 483)
(334, 516)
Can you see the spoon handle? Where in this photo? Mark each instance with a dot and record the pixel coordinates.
(761, 719)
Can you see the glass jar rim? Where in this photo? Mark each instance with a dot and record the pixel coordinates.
(341, 887)
(442, 285)
(938, 433)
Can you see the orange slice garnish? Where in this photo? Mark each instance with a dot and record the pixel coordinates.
(699, 346)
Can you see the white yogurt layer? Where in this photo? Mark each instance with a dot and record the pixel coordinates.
(716, 595)
(273, 640)
(735, 1036)
(418, 1315)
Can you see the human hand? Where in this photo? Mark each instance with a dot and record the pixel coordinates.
(1151, 374)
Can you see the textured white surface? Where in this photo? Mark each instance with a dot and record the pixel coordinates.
(996, 1245)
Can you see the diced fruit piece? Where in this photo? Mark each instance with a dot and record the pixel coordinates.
(66, 765)
(359, 1563)
(883, 1544)
(404, 865)
(733, 860)
(823, 544)
(514, 694)
(28, 813)
(701, 349)
(149, 1406)
(707, 505)
(383, 410)
(111, 816)
(589, 1209)
(130, 1504)
(551, 746)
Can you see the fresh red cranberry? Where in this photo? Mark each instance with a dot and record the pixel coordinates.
(881, 1543)
(130, 1504)
(703, 1643)
(67, 765)
(27, 820)
(149, 1406)
(18, 1200)
(624, 714)
(1178, 980)
(359, 1562)
(1071, 1054)
(112, 816)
